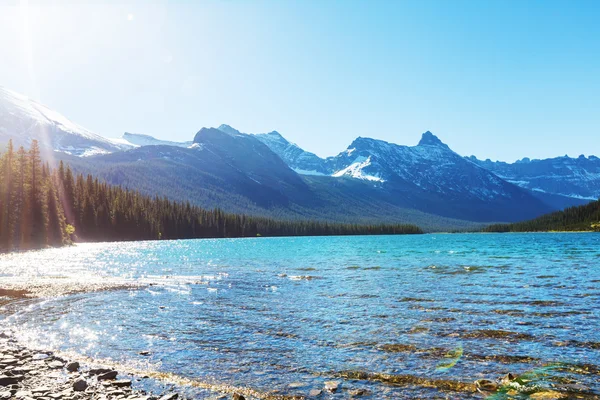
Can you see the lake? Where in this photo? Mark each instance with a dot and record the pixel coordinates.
(409, 316)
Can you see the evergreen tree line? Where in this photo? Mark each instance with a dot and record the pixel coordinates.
(41, 207)
(579, 218)
(31, 215)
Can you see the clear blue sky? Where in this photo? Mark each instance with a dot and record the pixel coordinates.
(498, 79)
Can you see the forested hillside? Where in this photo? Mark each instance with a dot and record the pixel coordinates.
(31, 215)
(41, 207)
(580, 218)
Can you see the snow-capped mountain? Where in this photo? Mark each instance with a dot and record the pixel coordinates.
(431, 166)
(577, 178)
(24, 120)
(138, 139)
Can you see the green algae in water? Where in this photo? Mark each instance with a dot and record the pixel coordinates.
(451, 359)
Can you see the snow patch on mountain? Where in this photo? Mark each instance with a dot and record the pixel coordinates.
(229, 130)
(138, 139)
(24, 120)
(356, 170)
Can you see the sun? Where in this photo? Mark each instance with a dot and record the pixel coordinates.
(130, 17)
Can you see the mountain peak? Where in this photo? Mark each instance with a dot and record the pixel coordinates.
(429, 139)
(228, 129)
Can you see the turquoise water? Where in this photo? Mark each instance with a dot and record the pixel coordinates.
(288, 314)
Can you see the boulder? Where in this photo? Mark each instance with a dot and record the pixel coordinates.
(99, 371)
(108, 375)
(10, 380)
(72, 366)
(80, 385)
(55, 364)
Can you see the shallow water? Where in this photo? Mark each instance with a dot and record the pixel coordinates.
(374, 313)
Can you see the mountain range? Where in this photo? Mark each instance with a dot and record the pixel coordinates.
(265, 174)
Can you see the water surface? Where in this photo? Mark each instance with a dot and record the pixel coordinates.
(385, 314)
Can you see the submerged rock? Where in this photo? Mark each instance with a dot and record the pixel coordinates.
(486, 386)
(359, 392)
(332, 386)
(398, 348)
(547, 395)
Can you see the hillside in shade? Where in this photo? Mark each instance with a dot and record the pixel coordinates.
(573, 219)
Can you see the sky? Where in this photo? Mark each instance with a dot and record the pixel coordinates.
(498, 79)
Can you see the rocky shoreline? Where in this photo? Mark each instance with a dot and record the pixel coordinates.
(41, 375)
